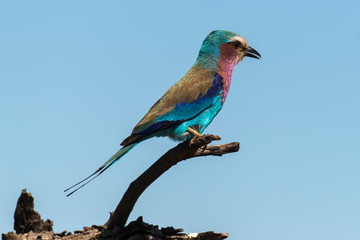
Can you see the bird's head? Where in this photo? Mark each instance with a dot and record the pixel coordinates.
(226, 46)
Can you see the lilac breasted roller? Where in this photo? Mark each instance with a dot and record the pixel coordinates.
(190, 105)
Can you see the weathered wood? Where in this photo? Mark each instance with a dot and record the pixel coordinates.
(183, 151)
(26, 218)
(139, 230)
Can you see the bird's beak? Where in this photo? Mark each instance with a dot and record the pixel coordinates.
(250, 52)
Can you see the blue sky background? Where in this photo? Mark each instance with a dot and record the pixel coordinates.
(76, 76)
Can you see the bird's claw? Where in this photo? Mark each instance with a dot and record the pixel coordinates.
(194, 140)
(203, 140)
(214, 137)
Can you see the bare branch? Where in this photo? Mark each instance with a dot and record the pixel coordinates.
(183, 151)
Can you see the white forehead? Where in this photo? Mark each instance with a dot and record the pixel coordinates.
(240, 39)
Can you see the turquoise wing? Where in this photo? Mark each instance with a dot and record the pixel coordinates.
(184, 101)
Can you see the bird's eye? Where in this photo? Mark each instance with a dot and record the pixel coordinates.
(235, 44)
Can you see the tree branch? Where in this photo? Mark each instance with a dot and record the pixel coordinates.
(186, 150)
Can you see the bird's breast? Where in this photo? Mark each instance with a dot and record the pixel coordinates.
(226, 82)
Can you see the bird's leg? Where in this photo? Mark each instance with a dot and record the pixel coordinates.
(204, 138)
(194, 132)
(196, 136)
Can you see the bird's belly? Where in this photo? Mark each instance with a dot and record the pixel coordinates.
(198, 123)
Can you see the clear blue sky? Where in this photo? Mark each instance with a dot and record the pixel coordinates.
(76, 76)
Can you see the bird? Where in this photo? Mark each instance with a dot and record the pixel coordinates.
(189, 106)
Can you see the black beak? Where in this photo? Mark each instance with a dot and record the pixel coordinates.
(250, 52)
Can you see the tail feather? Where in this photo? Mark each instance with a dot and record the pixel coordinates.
(101, 169)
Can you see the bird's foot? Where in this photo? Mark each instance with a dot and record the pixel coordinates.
(203, 140)
(213, 137)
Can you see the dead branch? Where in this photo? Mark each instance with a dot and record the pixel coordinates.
(198, 147)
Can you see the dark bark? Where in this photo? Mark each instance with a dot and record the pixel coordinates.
(186, 150)
(136, 230)
(26, 218)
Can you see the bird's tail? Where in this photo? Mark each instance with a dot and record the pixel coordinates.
(101, 169)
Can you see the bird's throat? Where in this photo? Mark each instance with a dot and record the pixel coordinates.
(227, 61)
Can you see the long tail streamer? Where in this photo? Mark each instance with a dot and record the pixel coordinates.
(101, 169)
